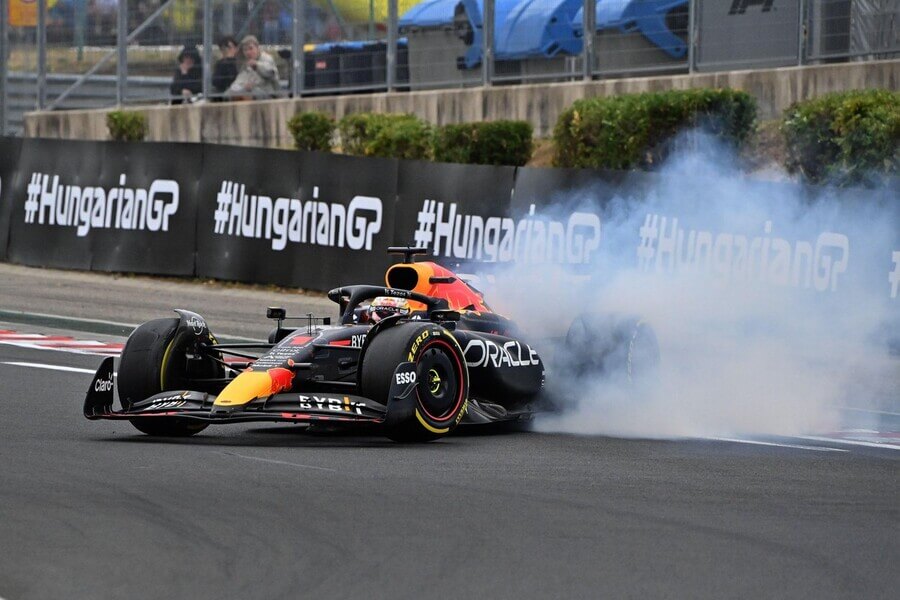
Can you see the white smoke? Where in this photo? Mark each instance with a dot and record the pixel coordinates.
(775, 343)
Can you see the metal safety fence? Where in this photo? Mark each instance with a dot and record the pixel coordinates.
(216, 50)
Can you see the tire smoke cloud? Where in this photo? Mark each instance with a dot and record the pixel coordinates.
(770, 301)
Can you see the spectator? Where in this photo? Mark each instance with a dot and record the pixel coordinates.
(188, 79)
(226, 69)
(258, 77)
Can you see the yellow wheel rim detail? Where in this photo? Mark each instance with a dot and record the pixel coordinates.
(434, 381)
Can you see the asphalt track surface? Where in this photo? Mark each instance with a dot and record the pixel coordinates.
(97, 510)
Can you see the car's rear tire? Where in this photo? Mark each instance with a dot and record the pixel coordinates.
(153, 361)
(442, 377)
(615, 348)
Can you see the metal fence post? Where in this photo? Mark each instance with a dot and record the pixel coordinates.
(692, 34)
(391, 61)
(487, 43)
(4, 54)
(298, 41)
(42, 54)
(207, 48)
(80, 26)
(801, 42)
(590, 25)
(122, 48)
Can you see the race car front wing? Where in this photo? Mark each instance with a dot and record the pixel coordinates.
(290, 407)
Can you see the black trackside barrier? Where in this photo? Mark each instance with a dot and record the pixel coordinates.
(302, 219)
(106, 206)
(9, 160)
(456, 210)
(317, 221)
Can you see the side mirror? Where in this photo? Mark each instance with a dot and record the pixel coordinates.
(276, 312)
(434, 280)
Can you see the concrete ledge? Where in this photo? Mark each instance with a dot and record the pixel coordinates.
(263, 123)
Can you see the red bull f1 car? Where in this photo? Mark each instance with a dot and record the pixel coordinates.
(414, 358)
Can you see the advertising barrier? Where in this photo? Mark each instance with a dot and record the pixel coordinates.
(106, 207)
(315, 221)
(456, 210)
(9, 160)
(293, 218)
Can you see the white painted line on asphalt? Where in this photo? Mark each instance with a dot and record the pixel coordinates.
(277, 462)
(50, 367)
(777, 445)
(851, 442)
(105, 350)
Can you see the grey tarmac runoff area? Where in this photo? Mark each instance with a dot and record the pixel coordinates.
(96, 510)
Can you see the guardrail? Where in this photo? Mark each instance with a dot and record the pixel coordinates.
(98, 92)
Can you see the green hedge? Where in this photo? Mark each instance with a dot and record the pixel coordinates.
(844, 137)
(385, 135)
(312, 131)
(492, 143)
(126, 126)
(629, 131)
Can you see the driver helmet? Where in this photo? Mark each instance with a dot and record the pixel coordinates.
(385, 306)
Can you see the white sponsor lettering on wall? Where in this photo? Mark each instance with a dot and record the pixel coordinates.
(48, 202)
(284, 220)
(817, 264)
(529, 239)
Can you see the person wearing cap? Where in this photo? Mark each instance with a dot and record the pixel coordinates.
(188, 78)
(258, 77)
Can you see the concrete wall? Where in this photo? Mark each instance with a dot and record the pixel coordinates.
(263, 123)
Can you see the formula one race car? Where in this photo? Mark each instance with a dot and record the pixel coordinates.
(416, 359)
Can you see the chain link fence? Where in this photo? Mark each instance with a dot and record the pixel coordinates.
(60, 54)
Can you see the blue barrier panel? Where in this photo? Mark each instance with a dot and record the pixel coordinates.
(538, 28)
(647, 17)
(475, 11)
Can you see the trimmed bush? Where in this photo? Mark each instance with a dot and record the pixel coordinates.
(845, 137)
(492, 143)
(408, 138)
(312, 131)
(126, 125)
(631, 131)
(385, 135)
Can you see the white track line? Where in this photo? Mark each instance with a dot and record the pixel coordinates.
(50, 367)
(277, 462)
(777, 445)
(851, 442)
(94, 351)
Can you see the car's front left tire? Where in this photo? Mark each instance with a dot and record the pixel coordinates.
(154, 361)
